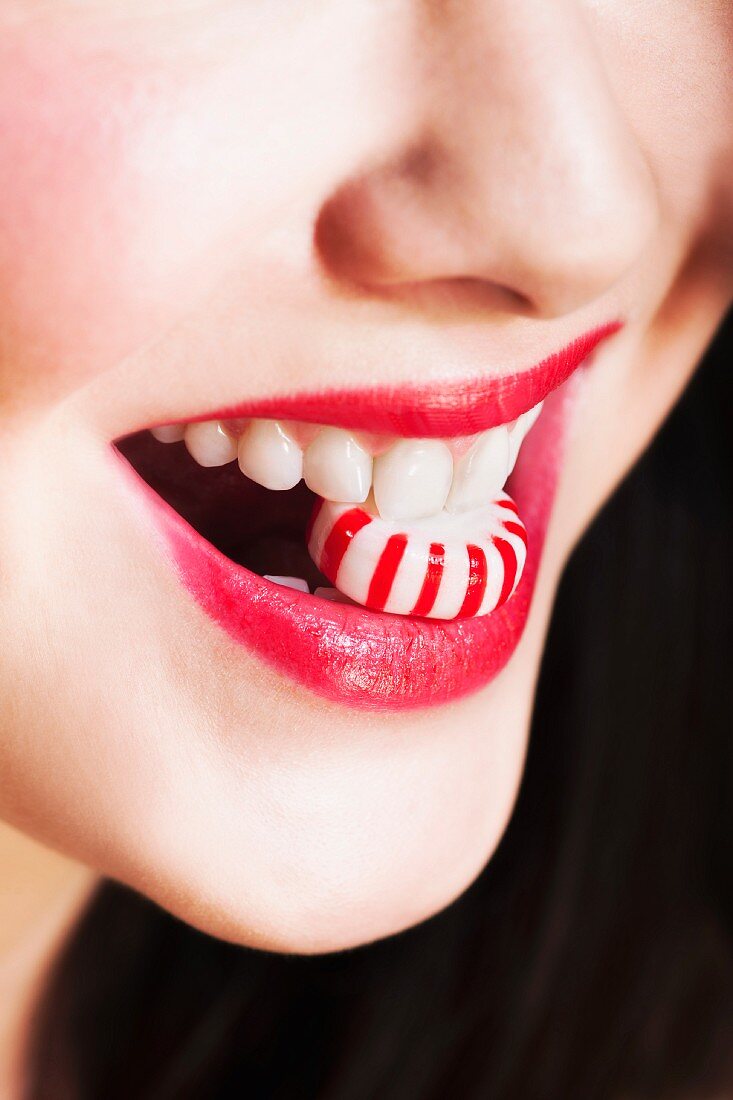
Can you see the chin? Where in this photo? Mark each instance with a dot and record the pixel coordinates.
(361, 669)
(370, 858)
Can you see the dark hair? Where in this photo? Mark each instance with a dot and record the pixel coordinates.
(594, 956)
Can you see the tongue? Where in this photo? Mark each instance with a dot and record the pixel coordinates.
(444, 567)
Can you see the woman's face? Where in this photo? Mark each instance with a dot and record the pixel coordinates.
(208, 205)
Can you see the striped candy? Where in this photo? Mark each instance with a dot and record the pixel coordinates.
(444, 567)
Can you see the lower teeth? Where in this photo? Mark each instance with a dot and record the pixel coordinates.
(299, 584)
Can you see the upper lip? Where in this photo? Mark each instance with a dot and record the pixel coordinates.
(453, 408)
(351, 655)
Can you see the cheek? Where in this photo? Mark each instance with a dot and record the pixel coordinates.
(138, 165)
(135, 172)
(128, 187)
(99, 224)
(669, 64)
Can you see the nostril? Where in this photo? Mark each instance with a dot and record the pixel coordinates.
(347, 242)
(538, 210)
(374, 230)
(546, 258)
(389, 245)
(391, 228)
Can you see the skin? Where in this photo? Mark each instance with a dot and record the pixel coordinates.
(209, 201)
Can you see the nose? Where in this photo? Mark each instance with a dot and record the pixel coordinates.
(521, 174)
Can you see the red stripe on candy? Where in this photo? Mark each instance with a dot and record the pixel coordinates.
(346, 526)
(509, 558)
(507, 502)
(384, 574)
(433, 577)
(476, 582)
(516, 529)
(312, 521)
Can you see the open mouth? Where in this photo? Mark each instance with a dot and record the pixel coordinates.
(379, 568)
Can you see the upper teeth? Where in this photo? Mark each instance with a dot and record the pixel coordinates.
(210, 443)
(336, 467)
(482, 471)
(269, 455)
(412, 479)
(168, 433)
(519, 430)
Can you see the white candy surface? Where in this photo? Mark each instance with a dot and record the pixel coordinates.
(441, 567)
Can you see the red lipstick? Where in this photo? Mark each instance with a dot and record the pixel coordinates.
(435, 411)
(370, 659)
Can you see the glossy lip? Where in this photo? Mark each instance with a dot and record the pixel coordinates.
(440, 410)
(351, 655)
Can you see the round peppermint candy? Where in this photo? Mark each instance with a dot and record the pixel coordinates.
(443, 567)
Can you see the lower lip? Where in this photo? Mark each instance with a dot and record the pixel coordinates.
(353, 656)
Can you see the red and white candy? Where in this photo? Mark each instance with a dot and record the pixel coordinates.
(442, 567)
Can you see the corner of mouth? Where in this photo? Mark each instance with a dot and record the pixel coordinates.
(256, 583)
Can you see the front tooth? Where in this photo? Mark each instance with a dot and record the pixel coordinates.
(480, 474)
(168, 433)
(209, 443)
(519, 430)
(337, 468)
(269, 456)
(412, 479)
(297, 583)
